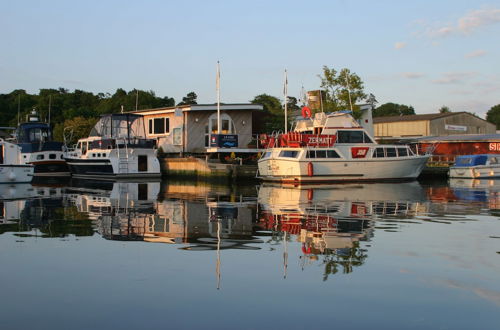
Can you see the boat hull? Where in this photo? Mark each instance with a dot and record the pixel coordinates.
(475, 172)
(108, 169)
(303, 171)
(16, 173)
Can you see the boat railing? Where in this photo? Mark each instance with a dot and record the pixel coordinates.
(297, 140)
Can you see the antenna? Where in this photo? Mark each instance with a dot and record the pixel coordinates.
(285, 92)
(18, 109)
(136, 99)
(50, 101)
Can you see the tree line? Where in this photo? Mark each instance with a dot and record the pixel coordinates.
(79, 110)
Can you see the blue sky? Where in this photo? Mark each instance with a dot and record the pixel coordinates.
(421, 53)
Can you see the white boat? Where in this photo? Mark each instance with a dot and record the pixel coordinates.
(335, 147)
(114, 151)
(485, 166)
(38, 148)
(12, 167)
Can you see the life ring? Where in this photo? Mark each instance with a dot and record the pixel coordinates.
(310, 169)
(306, 112)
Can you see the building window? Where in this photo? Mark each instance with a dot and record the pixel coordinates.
(159, 125)
(226, 123)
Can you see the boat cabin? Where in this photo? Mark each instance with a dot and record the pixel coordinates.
(477, 160)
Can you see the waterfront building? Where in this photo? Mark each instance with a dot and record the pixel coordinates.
(188, 128)
(435, 124)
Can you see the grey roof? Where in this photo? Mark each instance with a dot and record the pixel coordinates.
(213, 106)
(428, 116)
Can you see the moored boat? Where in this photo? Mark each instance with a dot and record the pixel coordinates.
(12, 168)
(335, 147)
(483, 166)
(38, 147)
(114, 151)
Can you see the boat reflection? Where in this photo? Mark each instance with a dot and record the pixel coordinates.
(199, 218)
(331, 221)
(35, 210)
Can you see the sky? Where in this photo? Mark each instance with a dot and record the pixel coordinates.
(426, 53)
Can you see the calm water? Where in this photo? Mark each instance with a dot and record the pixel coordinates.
(191, 256)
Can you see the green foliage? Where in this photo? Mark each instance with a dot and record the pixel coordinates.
(66, 105)
(273, 116)
(444, 109)
(190, 98)
(493, 115)
(343, 89)
(393, 109)
(73, 129)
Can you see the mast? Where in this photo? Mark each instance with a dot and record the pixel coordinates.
(285, 92)
(217, 87)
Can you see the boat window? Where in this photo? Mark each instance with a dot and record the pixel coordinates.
(332, 154)
(267, 154)
(52, 156)
(1, 154)
(402, 152)
(378, 153)
(289, 153)
(311, 154)
(366, 138)
(84, 148)
(39, 157)
(320, 153)
(79, 145)
(350, 137)
(493, 160)
(391, 152)
(150, 126)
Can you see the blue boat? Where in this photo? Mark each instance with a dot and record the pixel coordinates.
(483, 166)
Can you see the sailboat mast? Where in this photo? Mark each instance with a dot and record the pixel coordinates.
(217, 86)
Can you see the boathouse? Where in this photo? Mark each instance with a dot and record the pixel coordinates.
(188, 128)
(436, 124)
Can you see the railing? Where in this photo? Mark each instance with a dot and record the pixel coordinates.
(296, 139)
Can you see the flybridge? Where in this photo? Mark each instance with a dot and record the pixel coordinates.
(296, 140)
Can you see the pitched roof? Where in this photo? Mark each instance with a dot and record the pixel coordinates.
(427, 116)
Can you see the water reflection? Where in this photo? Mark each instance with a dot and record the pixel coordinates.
(331, 221)
(373, 245)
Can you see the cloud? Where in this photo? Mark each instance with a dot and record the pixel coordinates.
(454, 77)
(400, 45)
(478, 18)
(412, 75)
(476, 53)
(469, 23)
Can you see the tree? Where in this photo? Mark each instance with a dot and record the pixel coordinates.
(190, 98)
(393, 109)
(273, 118)
(444, 109)
(343, 90)
(493, 115)
(74, 129)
